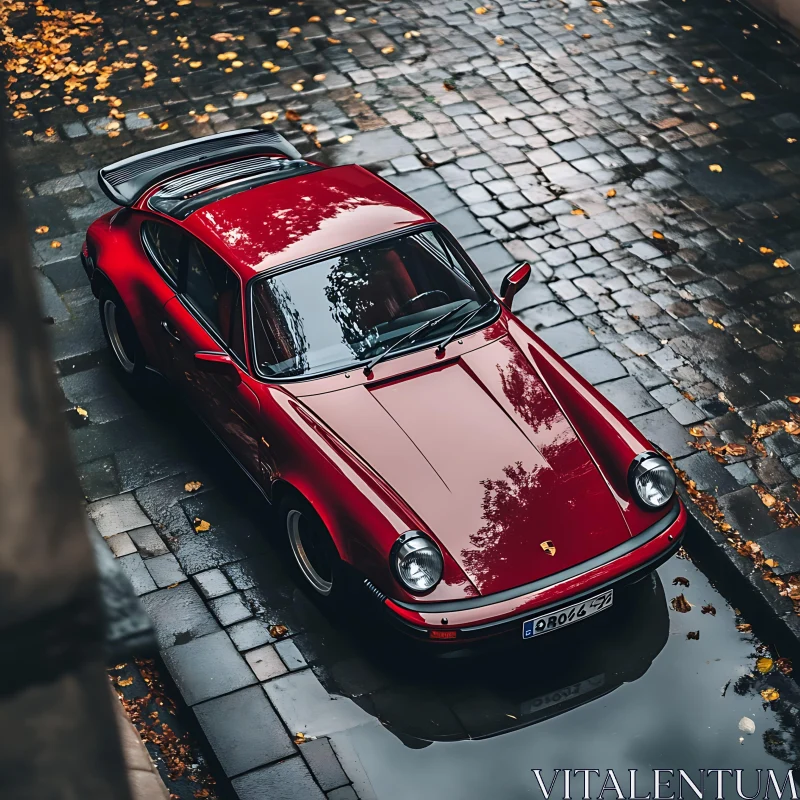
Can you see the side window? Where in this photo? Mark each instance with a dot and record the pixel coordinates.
(216, 292)
(166, 244)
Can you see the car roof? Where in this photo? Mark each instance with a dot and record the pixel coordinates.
(271, 225)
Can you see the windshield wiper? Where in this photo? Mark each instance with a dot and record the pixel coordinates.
(431, 323)
(461, 325)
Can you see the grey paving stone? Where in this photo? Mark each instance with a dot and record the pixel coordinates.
(370, 147)
(230, 609)
(207, 667)
(546, 315)
(628, 395)
(708, 473)
(265, 663)
(117, 514)
(165, 570)
(744, 510)
(569, 339)
(784, 547)
(290, 655)
(250, 634)
(686, 412)
(345, 793)
(662, 429)
(121, 544)
(323, 763)
(212, 583)
(742, 474)
(137, 574)
(490, 257)
(178, 615)
(286, 780)
(244, 731)
(148, 542)
(597, 366)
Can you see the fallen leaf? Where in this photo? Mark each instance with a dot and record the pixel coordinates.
(714, 126)
(222, 37)
(297, 87)
(657, 235)
(714, 323)
(240, 96)
(229, 56)
(709, 609)
(770, 695)
(195, 64)
(319, 77)
(780, 263)
(210, 108)
(693, 635)
(586, 36)
(765, 250)
(388, 49)
(790, 426)
(267, 64)
(735, 450)
(200, 525)
(748, 96)
(331, 40)
(698, 64)
(500, 40)
(299, 738)
(269, 117)
(796, 327)
(201, 118)
(277, 631)
(481, 10)
(273, 12)
(679, 581)
(569, 26)
(783, 665)
(348, 138)
(696, 430)
(45, 228)
(315, 18)
(715, 167)
(294, 30)
(125, 681)
(746, 725)
(82, 411)
(768, 500)
(292, 115)
(55, 244)
(771, 563)
(611, 193)
(192, 486)
(577, 212)
(764, 665)
(282, 44)
(792, 398)
(308, 127)
(681, 604)
(163, 126)
(744, 627)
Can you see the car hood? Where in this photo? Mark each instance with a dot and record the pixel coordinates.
(480, 451)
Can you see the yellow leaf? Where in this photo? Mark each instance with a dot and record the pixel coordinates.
(163, 126)
(577, 212)
(299, 738)
(273, 12)
(125, 681)
(697, 430)
(780, 263)
(298, 87)
(315, 18)
(43, 229)
(210, 107)
(686, 27)
(348, 138)
(770, 695)
(269, 117)
(200, 525)
(792, 398)
(195, 64)
(790, 426)
(176, 79)
(340, 11)
(229, 56)
(764, 665)
(222, 37)
(658, 235)
(143, 115)
(277, 631)
(569, 26)
(240, 96)
(791, 140)
(55, 244)
(192, 486)
(308, 127)
(611, 193)
(319, 77)
(698, 64)
(82, 411)
(481, 10)
(586, 36)
(765, 250)
(282, 44)
(295, 29)
(771, 563)
(714, 126)
(388, 49)
(334, 41)
(748, 96)
(796, 327)
(768, 500)
(82, 108)
(715, 167)
(500, 40)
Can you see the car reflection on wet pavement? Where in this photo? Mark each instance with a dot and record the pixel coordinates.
(625, 690)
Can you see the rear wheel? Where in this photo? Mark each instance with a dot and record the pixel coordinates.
(312, 546)
(120, 333)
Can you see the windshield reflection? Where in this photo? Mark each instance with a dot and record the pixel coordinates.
(343, 310)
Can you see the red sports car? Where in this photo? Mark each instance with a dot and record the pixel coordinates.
(410, 430)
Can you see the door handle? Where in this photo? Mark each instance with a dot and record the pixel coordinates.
(170, 331)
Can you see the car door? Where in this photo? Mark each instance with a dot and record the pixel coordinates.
(163, 245)
(206, 317)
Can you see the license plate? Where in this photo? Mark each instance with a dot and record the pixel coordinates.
(559, 696)
(566, 616)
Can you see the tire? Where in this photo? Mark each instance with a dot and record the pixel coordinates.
(313, 549)
(128, 354)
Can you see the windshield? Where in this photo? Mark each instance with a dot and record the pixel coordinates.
(347, 309)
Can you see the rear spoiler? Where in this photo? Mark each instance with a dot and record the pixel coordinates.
(124, 182)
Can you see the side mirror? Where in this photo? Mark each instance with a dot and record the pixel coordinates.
(514, 281)
(217, 364)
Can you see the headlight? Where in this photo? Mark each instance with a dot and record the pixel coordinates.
(652, 480)
(417, 562)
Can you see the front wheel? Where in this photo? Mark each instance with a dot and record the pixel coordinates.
(312, 547)
(120, 333)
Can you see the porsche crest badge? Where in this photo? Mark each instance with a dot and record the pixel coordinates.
(548, 547)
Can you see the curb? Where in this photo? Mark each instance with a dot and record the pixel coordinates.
(775, 614)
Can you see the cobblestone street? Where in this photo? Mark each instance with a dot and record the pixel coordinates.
(642, 155)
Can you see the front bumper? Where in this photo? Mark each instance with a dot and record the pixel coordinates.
(491, 615)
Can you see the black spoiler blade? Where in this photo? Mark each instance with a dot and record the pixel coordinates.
(124, 182)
